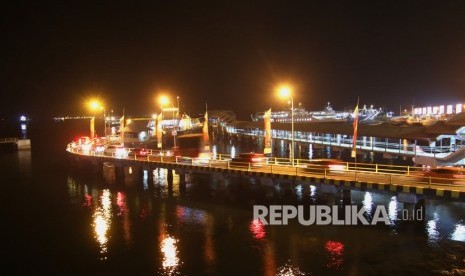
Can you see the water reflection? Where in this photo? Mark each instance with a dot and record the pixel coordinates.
(186, 215)
(170, 253)
(289, 270)
(312, 191)
(336, 258)
(392, 209)
(298, 191)
(368, 203)
(87, 198)
(269, 259)
(168, 245)
(145, 180)
(24, 162)
(209, 247)
(182, 225)
(102, 222)
(459, 233)
(432, 228)
(159, 176)
(258, 229)
(123, 213)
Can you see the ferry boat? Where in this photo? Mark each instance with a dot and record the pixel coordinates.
(325, 115)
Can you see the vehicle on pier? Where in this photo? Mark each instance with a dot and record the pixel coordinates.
(116, 151)
(188, 145)
(322, 165)
(138, 152)
(249, 158)
(444, 175)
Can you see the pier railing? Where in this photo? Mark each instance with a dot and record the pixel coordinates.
(347, 171)
(402, 147)
(8, 140)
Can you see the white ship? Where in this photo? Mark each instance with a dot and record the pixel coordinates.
(328, 114)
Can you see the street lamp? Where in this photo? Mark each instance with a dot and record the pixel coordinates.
(285, 92)
(164, 100)
(95, 105)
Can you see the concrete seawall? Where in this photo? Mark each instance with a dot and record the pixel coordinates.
(24, 144)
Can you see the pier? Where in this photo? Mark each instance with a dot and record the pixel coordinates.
(408, 183)
(20, 144)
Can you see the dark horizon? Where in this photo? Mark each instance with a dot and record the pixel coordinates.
(229, 55)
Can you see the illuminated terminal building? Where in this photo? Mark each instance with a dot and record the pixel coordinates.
(438, 110)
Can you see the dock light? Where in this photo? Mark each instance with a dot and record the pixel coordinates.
(163, 100)
(285, 92)
(441, 109)
(449, 109)
(95, 105)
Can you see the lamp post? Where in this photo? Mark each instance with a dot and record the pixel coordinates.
(164, 100)
(177, 98)
(95, 105)
(285, 92)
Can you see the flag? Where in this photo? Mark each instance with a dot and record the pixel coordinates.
(267, 120)
(92, 128)
(206, 137)
(121, 129)
(159, 131)
(354, 139)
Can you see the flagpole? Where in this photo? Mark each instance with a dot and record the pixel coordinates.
(356, 133)
(267, 127)
(206, 136)
(122, 129)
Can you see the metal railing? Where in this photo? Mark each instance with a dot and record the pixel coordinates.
(8, 140)
(348, 171)
(374, 144)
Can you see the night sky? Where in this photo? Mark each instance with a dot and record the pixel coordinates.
(229, 54)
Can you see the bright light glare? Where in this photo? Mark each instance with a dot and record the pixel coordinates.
(392, 209)
(368, 203)
(285, 91)
(102, 222)
(95, 104)
(170, 251)
(334, 167)
(459, 233)
(163, 100)
(258, 229)
(121, 153)
(204, 158)
(257, 159)
(86, 148)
